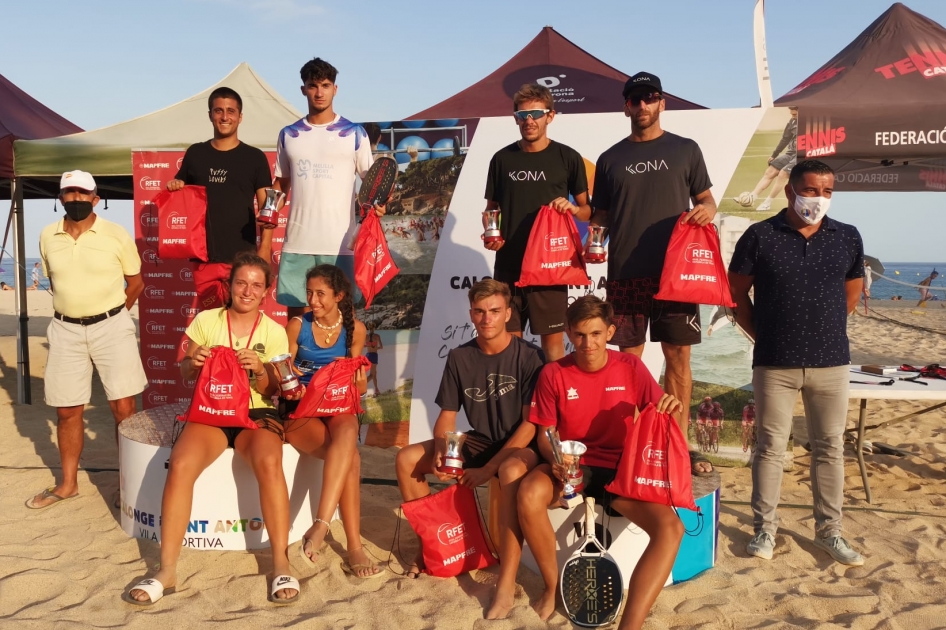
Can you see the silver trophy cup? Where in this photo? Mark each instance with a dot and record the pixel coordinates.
(594, 249)
(269, 213)
(574, 479)
(452, 459)
(491, 234)
(289, 384)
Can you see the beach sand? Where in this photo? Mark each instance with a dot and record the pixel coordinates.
(67, 567)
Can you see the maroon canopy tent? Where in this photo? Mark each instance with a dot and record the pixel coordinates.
(580, 83)
(877, 110)
(23, 117)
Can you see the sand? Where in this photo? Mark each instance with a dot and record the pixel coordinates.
(66, 567)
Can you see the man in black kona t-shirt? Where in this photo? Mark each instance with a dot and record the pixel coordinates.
(533, 172)
(642, 185)
(234, 174)
(491, 379)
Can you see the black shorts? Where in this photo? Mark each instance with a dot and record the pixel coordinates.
(267, 419)
(676, 323)
(595, 479)
(477, 449)
(543, 307)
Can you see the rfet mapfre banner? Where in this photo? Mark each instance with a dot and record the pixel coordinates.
(169, 301)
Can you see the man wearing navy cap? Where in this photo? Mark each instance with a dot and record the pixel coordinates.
(642, 184)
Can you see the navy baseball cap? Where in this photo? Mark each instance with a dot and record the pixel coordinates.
(644, 80)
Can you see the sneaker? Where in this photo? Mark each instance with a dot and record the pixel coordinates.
(761, 546)
(765, 206)
(840, 550)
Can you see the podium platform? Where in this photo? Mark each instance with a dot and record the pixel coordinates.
(225, 513)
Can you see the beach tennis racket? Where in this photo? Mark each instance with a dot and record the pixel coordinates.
(591, 584)
(377, 183)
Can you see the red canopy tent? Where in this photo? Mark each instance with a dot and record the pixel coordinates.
(23, 117)
(580, 83)
(877, 110)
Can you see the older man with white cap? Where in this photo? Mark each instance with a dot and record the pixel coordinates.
(95, 274)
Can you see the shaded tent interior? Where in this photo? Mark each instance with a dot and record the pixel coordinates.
(864, 110)
(580, 83)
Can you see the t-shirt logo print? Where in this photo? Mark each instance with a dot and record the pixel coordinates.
(572, 393)
(646, 167)
(218, 176)
(498, 385)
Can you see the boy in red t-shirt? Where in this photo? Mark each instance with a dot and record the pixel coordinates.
(587, 395)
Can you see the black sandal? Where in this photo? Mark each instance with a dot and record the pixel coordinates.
(698, 458)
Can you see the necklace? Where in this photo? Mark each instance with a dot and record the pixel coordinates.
(330, 330)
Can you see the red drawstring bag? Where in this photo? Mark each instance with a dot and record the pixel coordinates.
(553, 255)
(450, 531)
(331, 391)
(693, 269)
(374, 266)
(655, 464)
(182, 223)
(222, 392)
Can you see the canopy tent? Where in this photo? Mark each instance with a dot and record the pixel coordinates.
(876, 111)
(580, 83)
(23, 117)
(106, 152)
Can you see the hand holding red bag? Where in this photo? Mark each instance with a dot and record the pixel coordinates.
(655, 464)
(222, 392)
(374, 265)
(450, 531)
(182, 223)
(693, 268)
(554, 253)
(331, 391)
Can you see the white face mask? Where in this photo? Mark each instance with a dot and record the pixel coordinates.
(811, 209)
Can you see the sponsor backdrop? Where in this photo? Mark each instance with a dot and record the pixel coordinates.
(169, 302)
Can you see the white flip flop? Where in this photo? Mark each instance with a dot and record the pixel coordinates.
(282, 582)
(152, 587)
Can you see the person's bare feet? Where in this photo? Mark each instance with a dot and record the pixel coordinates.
(417, 567)
(167, 577)
(282, 568)
(545, 605)
(503, 600)
(314, 540)
(360, 564)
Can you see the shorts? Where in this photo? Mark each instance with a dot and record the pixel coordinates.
(716, 423)
(783, 162)
(268, 420)
(702, 421)
(676, 323)
(595, 478)
(110, 345)
(543, 307)
(212, 283)
(290, 286)
(372, 357)
(477, 449)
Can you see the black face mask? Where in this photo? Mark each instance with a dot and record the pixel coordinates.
(77, 210)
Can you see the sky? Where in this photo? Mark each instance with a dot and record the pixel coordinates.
(101, 62)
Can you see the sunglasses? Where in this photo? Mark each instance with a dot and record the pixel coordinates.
(649, 98)
(534, 114)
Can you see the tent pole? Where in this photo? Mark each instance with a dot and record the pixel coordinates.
(23, 393)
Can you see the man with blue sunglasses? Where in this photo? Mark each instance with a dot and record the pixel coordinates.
(532, 172)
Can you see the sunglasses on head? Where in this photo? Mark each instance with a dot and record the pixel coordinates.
(649, 98)
(534, 114)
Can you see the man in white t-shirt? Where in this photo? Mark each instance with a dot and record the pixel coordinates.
(318, 158)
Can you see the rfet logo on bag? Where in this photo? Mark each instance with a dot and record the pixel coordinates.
(182, 229)
(451, 533)
(556, 242)
(219, 391)
(698, 255)
(176, 221)
(655, 457)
